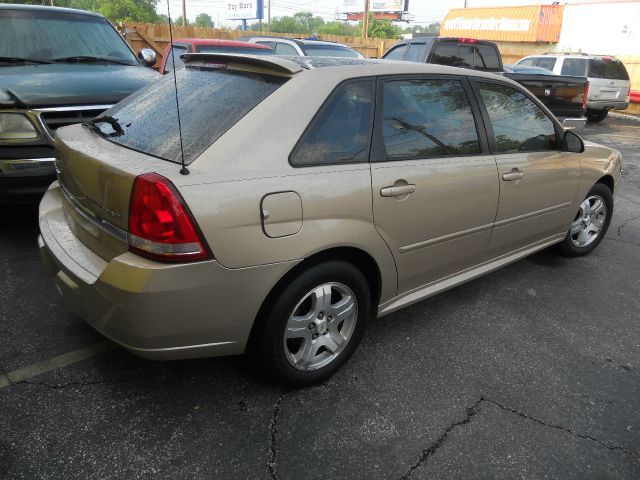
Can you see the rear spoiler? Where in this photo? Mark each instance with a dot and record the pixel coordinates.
(274, 63)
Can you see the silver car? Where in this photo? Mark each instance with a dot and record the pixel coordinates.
(608, 79)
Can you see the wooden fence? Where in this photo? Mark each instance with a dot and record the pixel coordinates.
(156, 36)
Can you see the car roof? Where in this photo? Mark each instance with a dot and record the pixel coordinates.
(299, 41)
(46, 8)
(219, 42)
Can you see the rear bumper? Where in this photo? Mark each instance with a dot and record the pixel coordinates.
(158, 311)
(607, 105)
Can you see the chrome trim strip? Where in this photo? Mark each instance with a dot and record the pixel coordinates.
(27, 167)
(445, 238)
(526, 216)
(94, 219)
(72, 108)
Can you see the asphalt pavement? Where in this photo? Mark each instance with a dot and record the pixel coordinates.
(530, 372)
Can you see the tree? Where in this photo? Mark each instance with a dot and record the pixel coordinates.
(203, 20)
(115, 10)
(382, 28)
(178, 21)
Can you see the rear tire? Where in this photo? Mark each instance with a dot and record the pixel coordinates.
(313, 324)
(596, 116)
(590, 224)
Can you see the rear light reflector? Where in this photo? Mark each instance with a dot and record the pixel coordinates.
(161, 226)
(586, 97)
(467, 40)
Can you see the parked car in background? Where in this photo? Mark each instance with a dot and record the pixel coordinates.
(57, 67)
(207, 45)
(527, 70)
(301, 217)
(608, 79)
(564, 95)
(299, 47)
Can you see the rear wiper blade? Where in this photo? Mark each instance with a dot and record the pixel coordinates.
(88, 59)
(21, 60)
(117, 128)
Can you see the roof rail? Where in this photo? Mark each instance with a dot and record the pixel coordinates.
(566, 53)
(274, 63)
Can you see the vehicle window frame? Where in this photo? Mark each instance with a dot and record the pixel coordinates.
(421, 47)
(189, 49)
(285, 44)
(378, 148)
(565, 61)
(325, 105)
(475, 85)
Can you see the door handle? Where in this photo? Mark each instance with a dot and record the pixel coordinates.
(514, 174)
(397, 191)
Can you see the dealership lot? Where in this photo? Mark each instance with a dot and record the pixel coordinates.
(532, 371)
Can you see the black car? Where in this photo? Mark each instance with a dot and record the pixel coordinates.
(57, 67)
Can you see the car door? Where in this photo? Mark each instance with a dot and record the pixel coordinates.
(434, 183)
(538, 181)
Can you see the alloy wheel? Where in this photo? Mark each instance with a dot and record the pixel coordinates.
(589, 221)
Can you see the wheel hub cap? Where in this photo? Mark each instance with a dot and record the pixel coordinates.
(589, 221)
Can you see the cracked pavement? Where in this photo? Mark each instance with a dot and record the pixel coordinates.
(532, 371)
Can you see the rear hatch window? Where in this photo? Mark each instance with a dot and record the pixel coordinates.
(607, 68)
(211, 100)
(466, 55)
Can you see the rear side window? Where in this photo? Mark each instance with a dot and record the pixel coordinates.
(341, 131)
(609, 69)
(416, 52)
(426, 118)
(519, 125)
(177, 51)
(396, 53)
(285, 49)
(211, 101)
(447, 54)
(574, 66)
(487, 58)
(546, 62)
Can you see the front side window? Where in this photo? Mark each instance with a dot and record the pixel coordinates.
(340, 132)
(574, 66)
(396, 53)
(546, 62)
(285, 49)
(519, 125)
(426, 118)
(177, 51)
(323, 50)
(529, 62)
(232, 49)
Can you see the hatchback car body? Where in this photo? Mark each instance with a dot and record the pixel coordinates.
(608, 79)
(319, 193)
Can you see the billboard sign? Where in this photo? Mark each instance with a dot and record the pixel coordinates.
(357, 6)
(244, 9)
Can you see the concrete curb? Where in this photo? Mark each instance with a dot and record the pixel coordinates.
(626, 116)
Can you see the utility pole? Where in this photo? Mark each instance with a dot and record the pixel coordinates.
(365, 20)
(269, 13)
(184, 12)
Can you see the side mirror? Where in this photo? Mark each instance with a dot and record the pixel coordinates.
(572, 142)
(148, 57)
(574, 123)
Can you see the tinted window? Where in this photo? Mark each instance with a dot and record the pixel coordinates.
(487, 58)
(574, 66)
(340, 132)
(611, 69)
(285, 49)
(519, 125)
(531, 62)
(424, 118)
(447, 54)
(177, 51)
(546, 62)
(211, 100)
(415, 53)
(396, 53)
(48, 35)
(322, 50)
(232, 49)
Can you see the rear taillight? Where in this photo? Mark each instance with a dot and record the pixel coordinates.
(586, 96)
(467, 40)
(160, 224)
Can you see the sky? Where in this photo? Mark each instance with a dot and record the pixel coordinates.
(424, 11)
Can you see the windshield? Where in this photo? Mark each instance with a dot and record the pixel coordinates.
(321, 50)
(211, 101)
(49, 36)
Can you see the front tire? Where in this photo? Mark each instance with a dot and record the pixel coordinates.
(590, 224)
(314, 324)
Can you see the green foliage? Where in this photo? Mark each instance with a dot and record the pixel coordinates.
(203, 20)
(115, 10)
(178, 21)
(382, 28)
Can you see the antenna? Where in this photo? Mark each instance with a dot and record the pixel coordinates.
(184, 170)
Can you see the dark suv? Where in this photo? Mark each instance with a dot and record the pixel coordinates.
(57, 67)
